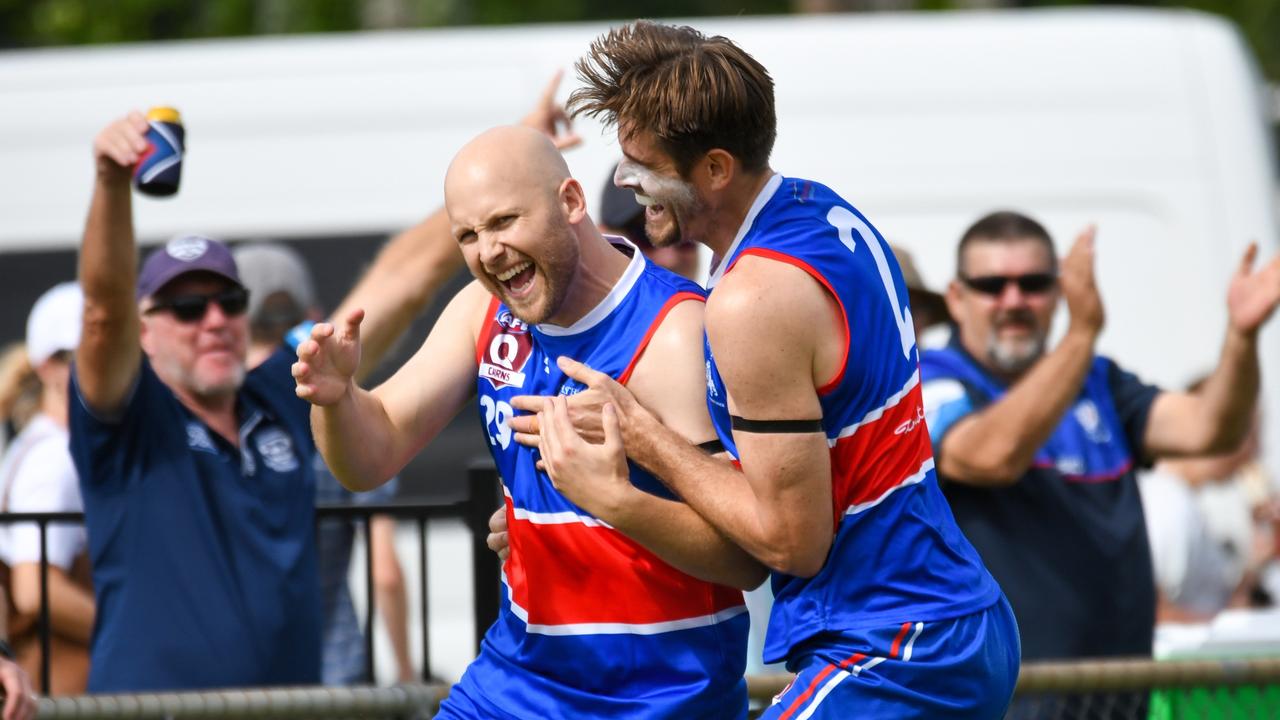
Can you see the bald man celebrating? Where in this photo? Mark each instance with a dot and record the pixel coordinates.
(619, 600)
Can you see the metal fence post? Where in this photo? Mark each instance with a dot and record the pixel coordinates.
(483, 498)
(370, 593)
(426, 606)
(46, 663)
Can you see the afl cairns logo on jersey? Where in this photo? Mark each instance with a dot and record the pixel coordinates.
(505, 351)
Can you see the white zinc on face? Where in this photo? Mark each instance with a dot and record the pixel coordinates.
(650, 187)
(669, 200)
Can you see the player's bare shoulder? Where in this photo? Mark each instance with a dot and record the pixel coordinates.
(763, 295)
(770, 315)
(669, 378)
(470, 308)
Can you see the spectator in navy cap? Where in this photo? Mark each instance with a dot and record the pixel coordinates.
(198, 353)
(196, 473)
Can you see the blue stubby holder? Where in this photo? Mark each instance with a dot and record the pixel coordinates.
(159, 171)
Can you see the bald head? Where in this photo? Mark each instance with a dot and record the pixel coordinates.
(505, 160)
(520, 220)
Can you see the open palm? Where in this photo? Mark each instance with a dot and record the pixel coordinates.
(328, 360)
(1253, 295)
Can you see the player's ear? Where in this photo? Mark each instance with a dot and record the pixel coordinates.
(719, 167)
(573, 201)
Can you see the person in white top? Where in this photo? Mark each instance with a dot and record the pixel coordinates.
(1209, 521)
(37, 475)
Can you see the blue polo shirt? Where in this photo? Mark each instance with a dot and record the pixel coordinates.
(204, 555)
(1068, 540)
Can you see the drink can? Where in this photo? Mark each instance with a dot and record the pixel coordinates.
(160, 169)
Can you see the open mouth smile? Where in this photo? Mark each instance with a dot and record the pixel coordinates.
(517, 278)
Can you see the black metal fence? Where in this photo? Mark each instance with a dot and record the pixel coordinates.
(483, 497)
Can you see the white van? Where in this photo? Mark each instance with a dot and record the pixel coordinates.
(1150, 123)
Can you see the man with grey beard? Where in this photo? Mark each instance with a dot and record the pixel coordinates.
(1037, 448)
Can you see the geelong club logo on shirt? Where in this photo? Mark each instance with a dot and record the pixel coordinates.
(198, 438)
(507, 352)
(276, 450)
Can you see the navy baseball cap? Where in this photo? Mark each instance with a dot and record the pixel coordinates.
(184, 254)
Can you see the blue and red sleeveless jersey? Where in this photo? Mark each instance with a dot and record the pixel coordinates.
(897, 554)
(592, 624)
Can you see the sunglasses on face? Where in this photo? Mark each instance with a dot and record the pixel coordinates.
(994, 285)
(191, 308)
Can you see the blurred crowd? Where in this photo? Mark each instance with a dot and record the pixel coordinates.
(1102, 504)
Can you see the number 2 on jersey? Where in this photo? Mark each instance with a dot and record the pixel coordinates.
(845, 222)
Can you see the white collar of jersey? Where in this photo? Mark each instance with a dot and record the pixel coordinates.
(611, 301)
(766, 193)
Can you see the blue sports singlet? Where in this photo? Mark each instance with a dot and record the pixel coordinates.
(897, 555)
(592, 624)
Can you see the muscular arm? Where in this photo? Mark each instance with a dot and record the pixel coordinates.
(778, 506)
(366, 437)
(71, 608)
(996, 445)
(405, 276)
(668, 380)
(109, 354)
(1216, 418)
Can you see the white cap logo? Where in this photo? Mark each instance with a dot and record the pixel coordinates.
(187, 248)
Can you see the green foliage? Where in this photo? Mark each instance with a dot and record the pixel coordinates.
(37, 23)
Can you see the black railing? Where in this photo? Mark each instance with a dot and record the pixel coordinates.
(483, 497)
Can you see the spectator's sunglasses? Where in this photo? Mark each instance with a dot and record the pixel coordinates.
(191, 308)
(994, 285)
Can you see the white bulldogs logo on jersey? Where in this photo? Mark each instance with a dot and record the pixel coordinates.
(506, 349)
(1091, 420)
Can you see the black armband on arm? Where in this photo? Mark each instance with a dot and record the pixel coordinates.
(776, 426)
(711, 447)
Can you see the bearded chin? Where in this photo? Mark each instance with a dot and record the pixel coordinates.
(226, 386)
(663, 237)
(1012, 358)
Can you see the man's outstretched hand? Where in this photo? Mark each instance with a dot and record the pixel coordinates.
(328, 360)
(549, 117)
(1253, 294)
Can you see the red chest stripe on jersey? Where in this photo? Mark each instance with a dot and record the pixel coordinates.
(567, 577)
(1088, 479)
(487, 330)
(653, 327)
(885, 450)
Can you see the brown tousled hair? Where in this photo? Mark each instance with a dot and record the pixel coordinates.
(695, 93)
